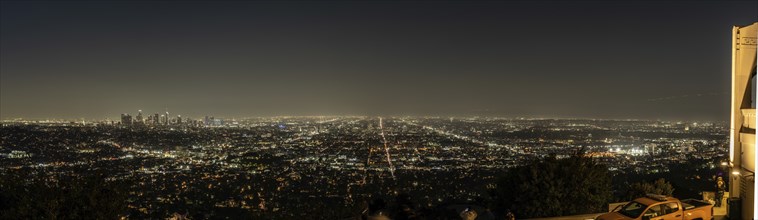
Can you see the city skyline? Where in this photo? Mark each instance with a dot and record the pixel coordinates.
(148, 117)
(378, 109)
(640, 60)
(287, 168)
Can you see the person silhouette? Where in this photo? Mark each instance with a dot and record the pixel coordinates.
(720, 188)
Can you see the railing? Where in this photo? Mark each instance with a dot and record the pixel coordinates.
(748, 119)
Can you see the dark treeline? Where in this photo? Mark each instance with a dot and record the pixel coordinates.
(36, 195)
(542, 188)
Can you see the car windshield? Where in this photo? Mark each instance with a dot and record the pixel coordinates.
(633, 209)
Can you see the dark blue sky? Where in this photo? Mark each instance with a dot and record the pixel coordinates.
(617, 59)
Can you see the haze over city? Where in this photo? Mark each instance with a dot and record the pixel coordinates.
(378, 110)
(619, 59)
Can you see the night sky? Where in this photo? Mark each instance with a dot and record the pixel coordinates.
(596, 59)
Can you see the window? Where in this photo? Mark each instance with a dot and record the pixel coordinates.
(654, 211)
(752, 85)
(633, 209)
(669, 208)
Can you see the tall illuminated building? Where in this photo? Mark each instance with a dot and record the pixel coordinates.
(742, 140)
(139, 118)
(126, 119)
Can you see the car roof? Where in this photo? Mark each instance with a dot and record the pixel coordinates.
(650, 199)
(645, 201)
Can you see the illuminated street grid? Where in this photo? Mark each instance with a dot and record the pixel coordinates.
(280, 164)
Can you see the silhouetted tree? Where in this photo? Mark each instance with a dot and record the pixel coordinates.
(639, 189)
(554, 187)
(37, 196)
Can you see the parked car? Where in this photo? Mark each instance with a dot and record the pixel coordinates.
(659, 207)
